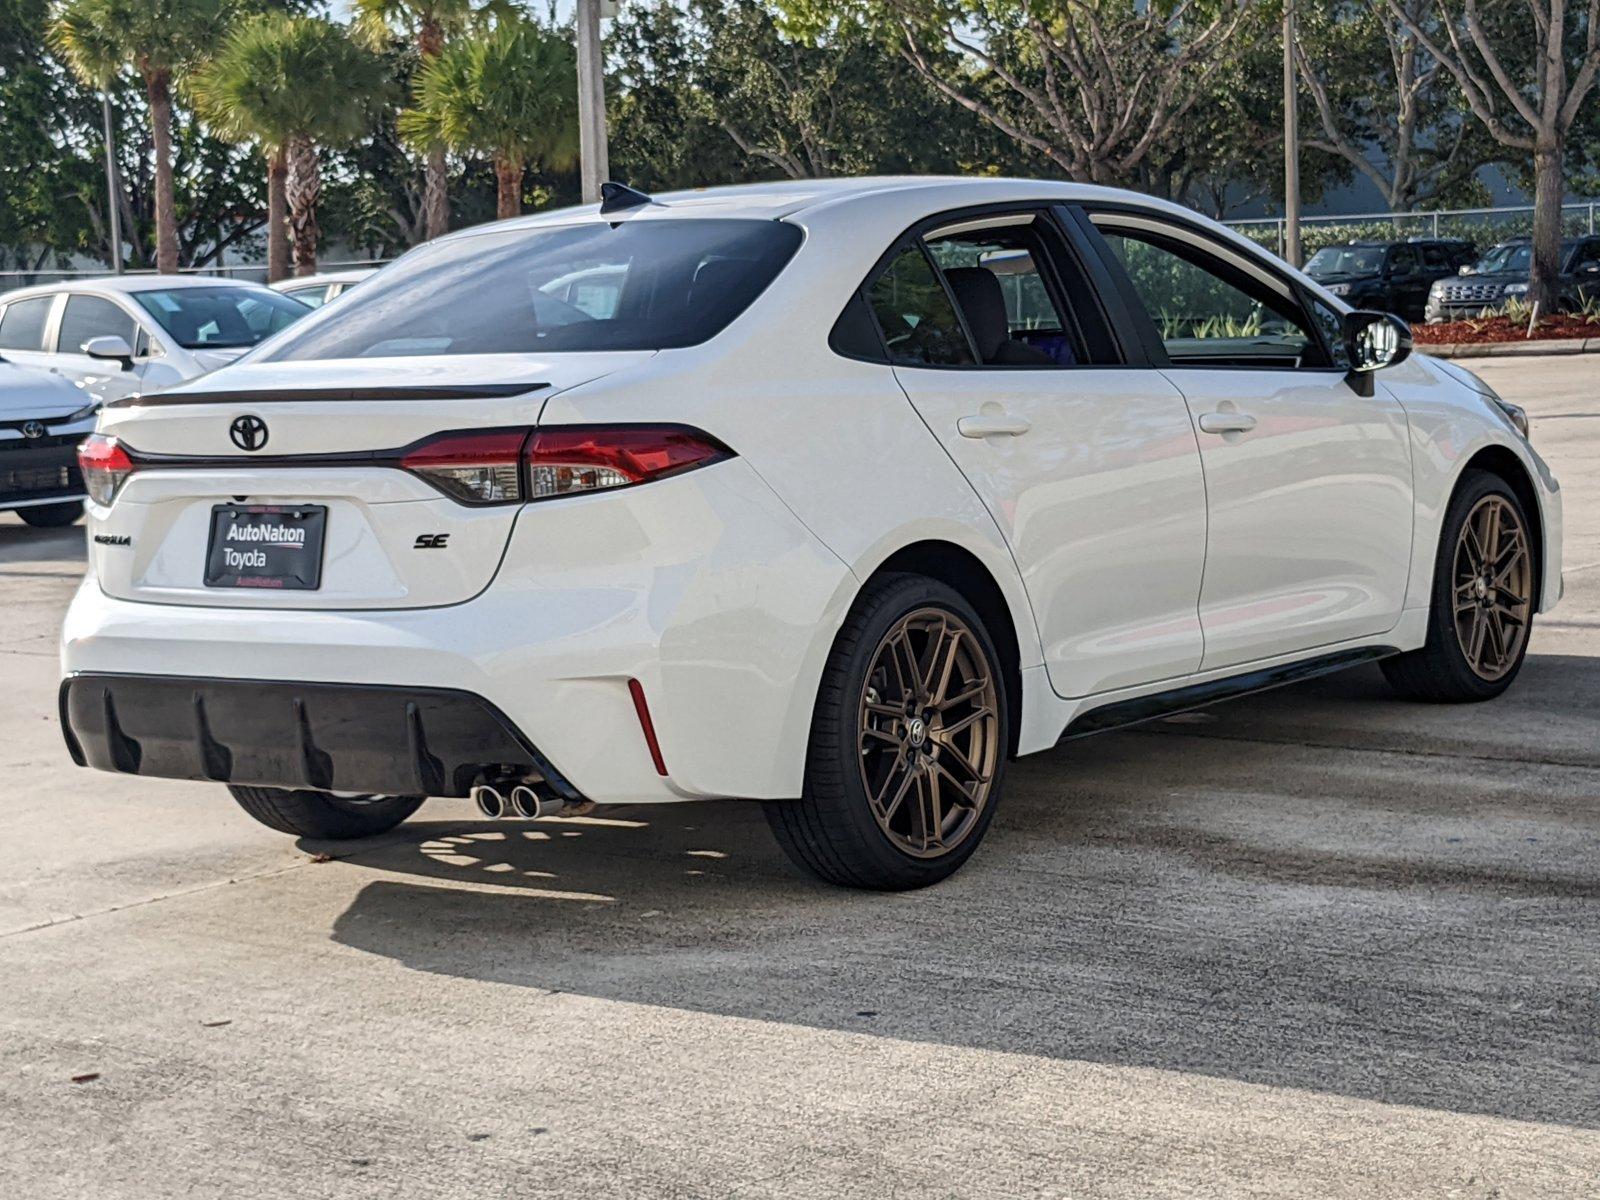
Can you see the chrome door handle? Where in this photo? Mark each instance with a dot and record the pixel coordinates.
(992, 425)
(1226, 422)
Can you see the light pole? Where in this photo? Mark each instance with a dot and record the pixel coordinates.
(593, 152)
(112, 189)
(1291, 144)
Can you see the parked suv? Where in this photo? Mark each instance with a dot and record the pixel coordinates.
(1502, 275)
(138, 333)
(1391, 277)
(848, 492)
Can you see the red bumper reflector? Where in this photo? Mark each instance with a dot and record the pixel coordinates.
(636, 690)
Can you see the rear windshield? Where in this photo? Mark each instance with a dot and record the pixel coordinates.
(643, 285)
(219, 318)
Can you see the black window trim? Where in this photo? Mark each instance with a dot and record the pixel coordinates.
(1144, 326)
(1069, 239)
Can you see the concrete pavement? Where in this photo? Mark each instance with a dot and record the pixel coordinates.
(1320, 943)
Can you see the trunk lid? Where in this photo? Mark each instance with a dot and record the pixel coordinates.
(319, 437)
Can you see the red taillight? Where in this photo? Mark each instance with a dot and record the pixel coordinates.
(481, 467)
(567, 460)
(104, 465)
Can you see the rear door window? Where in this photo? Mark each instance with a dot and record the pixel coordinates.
(997, 275)
(22, 325)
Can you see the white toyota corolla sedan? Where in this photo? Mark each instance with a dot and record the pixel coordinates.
(834, 495)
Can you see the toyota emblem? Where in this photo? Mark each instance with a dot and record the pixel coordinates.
(248, 432)
(33, 429)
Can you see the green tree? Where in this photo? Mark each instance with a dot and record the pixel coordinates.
(290, 84)
(508, 93)
(157, 38)
(1525, 69)
(429, 25)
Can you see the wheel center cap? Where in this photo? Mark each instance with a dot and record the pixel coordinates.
(916, 731)
(1481, 587)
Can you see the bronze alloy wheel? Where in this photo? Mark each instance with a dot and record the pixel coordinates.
(1492, 587)
(930, 733)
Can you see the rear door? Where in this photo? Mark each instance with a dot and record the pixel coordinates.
(24, 326)
(1308, 481)
(1089, 468)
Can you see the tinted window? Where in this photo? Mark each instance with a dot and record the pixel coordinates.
(204, 318)
(1403, 260)
(314, 297)
(22, 326)
(1345, 260)
(918, 321)
(641, 285)
(88, 317)
(1435, 256)
(1000, 286)
(1208, 312)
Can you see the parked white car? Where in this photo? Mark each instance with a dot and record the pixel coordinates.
(823, 512)
(43, 417)
(317, 290)
(126, 334)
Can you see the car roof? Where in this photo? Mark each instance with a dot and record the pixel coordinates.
(295, 282)
(126, 285)
(792, 197)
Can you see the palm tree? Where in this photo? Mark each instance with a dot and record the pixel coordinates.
(99, 38)
(429, 23)
(510, 94)
(290, 84)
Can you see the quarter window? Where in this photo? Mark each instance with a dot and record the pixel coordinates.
(1209, 312)
(22, 326)
(87, 317)
(914, 311)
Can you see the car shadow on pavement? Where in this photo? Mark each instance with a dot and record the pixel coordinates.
(21, 543)
(1325, 912)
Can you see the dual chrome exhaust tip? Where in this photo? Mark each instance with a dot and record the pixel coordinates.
(517, 803)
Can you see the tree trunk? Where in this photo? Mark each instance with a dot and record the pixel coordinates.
(304, 184)
(277, 215)
(435, 194)
(158, 89)
(508, 187)
(1544, 286)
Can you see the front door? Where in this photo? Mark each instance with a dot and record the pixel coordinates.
(1308, 482)
(84, 318)
(1089, 468)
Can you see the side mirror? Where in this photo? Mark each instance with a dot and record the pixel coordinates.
(1374, 340)
(1466, 270)
(110, 346)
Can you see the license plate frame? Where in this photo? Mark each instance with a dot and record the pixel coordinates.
(279, 562)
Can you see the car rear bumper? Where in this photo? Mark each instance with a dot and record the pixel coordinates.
(269, 733)
(704, 589)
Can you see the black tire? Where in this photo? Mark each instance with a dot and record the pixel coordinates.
(830, 830)
(320, 815)
(51, 516)
(1441, 672)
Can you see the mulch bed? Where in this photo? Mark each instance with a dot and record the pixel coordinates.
(1503, 329)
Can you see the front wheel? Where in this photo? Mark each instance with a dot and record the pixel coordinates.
(51, 516)
(908, 743)
(1482, 605)
(322, 814)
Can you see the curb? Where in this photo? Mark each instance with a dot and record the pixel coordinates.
(1537, 346)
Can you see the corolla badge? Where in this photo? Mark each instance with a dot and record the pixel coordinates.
(248, 432)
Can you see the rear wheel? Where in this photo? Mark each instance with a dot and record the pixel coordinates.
(908, 743)
(51, 516)
(1483, 592)
(322, 814)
